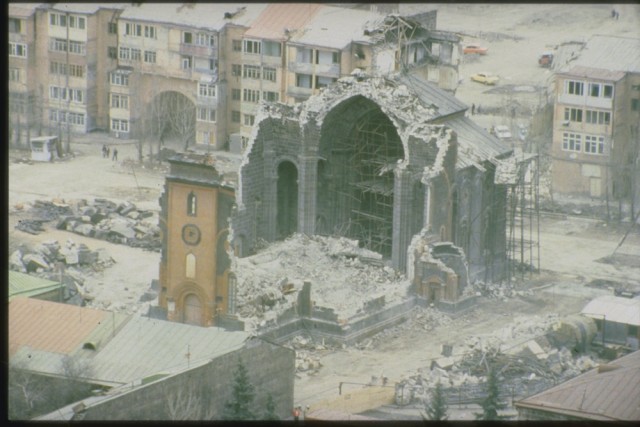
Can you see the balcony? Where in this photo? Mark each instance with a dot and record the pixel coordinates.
(585, 101)
(299, 92)
(196, 50)
(329, 70)
(301, 67)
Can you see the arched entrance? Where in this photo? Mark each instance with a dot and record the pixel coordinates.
(362, 148)
(170, 119)
(192, 310)
(287, 213)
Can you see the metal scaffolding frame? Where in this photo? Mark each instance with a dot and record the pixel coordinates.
(523, 219)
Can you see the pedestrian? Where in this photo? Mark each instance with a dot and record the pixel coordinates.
(108, 152)
(613, 14)
(115, 154)
(479, 109)
(104, 150)
(296, 413)
(473, 109)
(617, 15)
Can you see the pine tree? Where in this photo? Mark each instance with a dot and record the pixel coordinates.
(437, 409)
(270, 413)
(491, 404)
(239, 408)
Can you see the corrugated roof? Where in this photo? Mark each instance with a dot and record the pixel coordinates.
(611, 53)
(594, 73)
(605, 394)
(432, 96)
(277, 17)
(24, 285)
(210, 16)
(50, 326)
(614, 309)
(145, 346)
(336, 27)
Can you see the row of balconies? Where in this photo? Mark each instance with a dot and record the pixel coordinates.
(585, 101)
(329, 70)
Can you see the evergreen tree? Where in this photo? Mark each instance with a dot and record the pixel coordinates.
(239, 408)
(491, 404)
(436, 409)
(270, 413)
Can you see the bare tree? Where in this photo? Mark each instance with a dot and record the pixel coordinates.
(187, 403)
(26, 393)
(181, 117)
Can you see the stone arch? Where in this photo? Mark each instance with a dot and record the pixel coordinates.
(287, 199)
(170, 117)
(362, 149)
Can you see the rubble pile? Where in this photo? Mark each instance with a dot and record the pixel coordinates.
(421, 318)
(307, 359)
(102, 219)
(495, 290)
(69, 264)
(343, 277)
(523, 356)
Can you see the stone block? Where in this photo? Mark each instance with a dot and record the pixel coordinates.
(133, 215)
(123, 230)
(84, 229)
(33, 262)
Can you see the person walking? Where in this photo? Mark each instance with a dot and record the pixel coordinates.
(473, 109)
(104, 150)
(296, 413)
(108, 152)
(115, 155)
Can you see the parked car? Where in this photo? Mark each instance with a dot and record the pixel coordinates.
(485, 78)
(503, 132)
(474, 48)
(546, 59)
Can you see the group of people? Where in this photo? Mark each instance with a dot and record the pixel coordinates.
(106, 152)
(297, 411)
(615, 14)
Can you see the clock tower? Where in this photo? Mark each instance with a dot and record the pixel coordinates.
(195, 283)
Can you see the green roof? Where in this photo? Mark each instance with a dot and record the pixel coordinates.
(23, 285)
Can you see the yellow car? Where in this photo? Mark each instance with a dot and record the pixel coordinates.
(485, 78)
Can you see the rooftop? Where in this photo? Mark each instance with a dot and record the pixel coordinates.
(611, 53)
(594, 73)
(614, 309)
(277, 18)
(24, 285)
(607, 393)
(23, 10)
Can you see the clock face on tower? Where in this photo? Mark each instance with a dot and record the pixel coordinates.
(191, 234)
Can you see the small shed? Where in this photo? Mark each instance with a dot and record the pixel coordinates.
(45, 148)
(617, 317)
(24, 285)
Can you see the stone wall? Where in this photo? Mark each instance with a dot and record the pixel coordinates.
(270, 369)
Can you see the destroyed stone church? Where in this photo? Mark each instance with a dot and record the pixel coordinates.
(390, 162)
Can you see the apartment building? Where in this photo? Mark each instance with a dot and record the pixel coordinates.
(196, 72)
(596, 118)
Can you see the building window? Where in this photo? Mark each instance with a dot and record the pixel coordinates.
(303, 80)
(125, 53)
(190, 267)
(149, 57)
(272, 48)
(635, 104)
(62, 116)
(192, 203)
(15, 25)
(571, 141)
(207, 90)
(594, 144)
(304, 55)
(594, 89)
(186, 62)
(118, 125)
(150, 32)
(112, 52)
(249, 119)
(119, 101)
(236, 69)
(607, 91)
(119, 79)
(251, 72)
(236, 45)
(18, 49)
(598, 117)
(252, 46)
(76, 47)
(76, 70)
(135, 54)
(235, 116)
(61, 93)
(14, 74)
(203, 39)
(59, 45)
(235, 94)
(112, 28)
(574, 88)
(187, 38)
(77, 22)
(133, 30)
(326, 81)
(206, 114)
(269, 74)
(250, 95)
(573, 114)
(271, 96)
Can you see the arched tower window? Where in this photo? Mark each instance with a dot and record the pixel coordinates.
(192, 202)
(190, 267)
(231, 294)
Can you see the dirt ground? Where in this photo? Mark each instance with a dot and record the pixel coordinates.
(570, 248)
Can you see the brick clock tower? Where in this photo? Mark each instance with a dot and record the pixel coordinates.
(196, 286)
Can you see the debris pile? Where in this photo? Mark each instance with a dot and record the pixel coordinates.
(103, 219)
(307, 360)
(531, 364)
(343, 277)
(496, 290)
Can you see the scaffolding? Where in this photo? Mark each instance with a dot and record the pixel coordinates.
(523, 219)
(369, 154)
